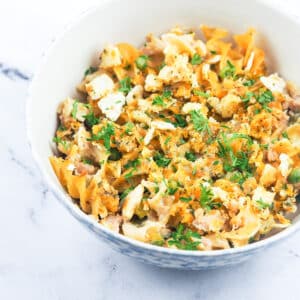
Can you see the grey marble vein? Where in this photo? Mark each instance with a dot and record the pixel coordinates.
(13, 73)
(20, 163)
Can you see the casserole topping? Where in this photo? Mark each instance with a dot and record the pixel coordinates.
(183, 143)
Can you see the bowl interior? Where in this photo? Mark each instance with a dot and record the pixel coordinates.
(129, 21)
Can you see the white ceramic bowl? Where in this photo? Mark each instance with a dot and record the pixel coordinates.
(114, 21)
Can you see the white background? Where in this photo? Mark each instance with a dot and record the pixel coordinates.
(44, 252)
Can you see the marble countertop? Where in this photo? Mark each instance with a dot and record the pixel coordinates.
(44, 252)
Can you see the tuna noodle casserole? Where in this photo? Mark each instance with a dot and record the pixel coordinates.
(183, 143)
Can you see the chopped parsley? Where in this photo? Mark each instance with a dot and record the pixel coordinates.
(190, 156)
(59, 140)
(128, 127)
(196, 59)
(237, 135)
(257, 111)
(172, 186)
(249, 82)
(141, 62)
(239, 177)
(294, 176)
(158, 243)
(61, 128)
(264, 99)
(115, 154)
(104, 134)
(125, 85)
(126, 192)
(246, 99)
(163, 64)
(167, 140)
(127, 67)
(263, 205)
(128, 175)
(201, 94)
(200, 122)
(90, 70)
(87, 161)
(185, 199)
(167, 94)
(235, 161)
(159, 101)
(132, 164)
(74, 109)
(285, 135)
(184, 238)
(161, 160)
(179, 121)
(206, 199)
(194, 171)
(228, 71)
(90, 120)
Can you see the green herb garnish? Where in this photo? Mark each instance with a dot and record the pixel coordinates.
(87, 161)
(184, 238)
(185, 199)
(200, 122)
(249, 82)
(132, 164)
(158, 243)
(159, 101)
(167, 140)
(240, 177)
(196, 59)
(91, 120)
(201, 94)
(128, 127)
(115, 154)
(294, 176)
(264, 99)
(104, 134)
(74, 109)
(130, 174)
(190, 156)
(161, 160)
(163, 64)
(206, 199)
(125, 85)
(142, 62)
(126, 192)
(61, 128)
(234, 161)
(179, 121)
(247, 97)
(167, 94)
(172, 186)
(263, 205)
(90, 70)
(228, 71)
(59, 140)
(285, 135)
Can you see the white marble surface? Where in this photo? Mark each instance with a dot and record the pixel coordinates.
(44, 252)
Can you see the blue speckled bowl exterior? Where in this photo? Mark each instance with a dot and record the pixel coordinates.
(164, 257)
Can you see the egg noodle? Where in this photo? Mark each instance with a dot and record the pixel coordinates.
(183, 143)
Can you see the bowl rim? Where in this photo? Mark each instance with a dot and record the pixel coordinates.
(89, 222)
